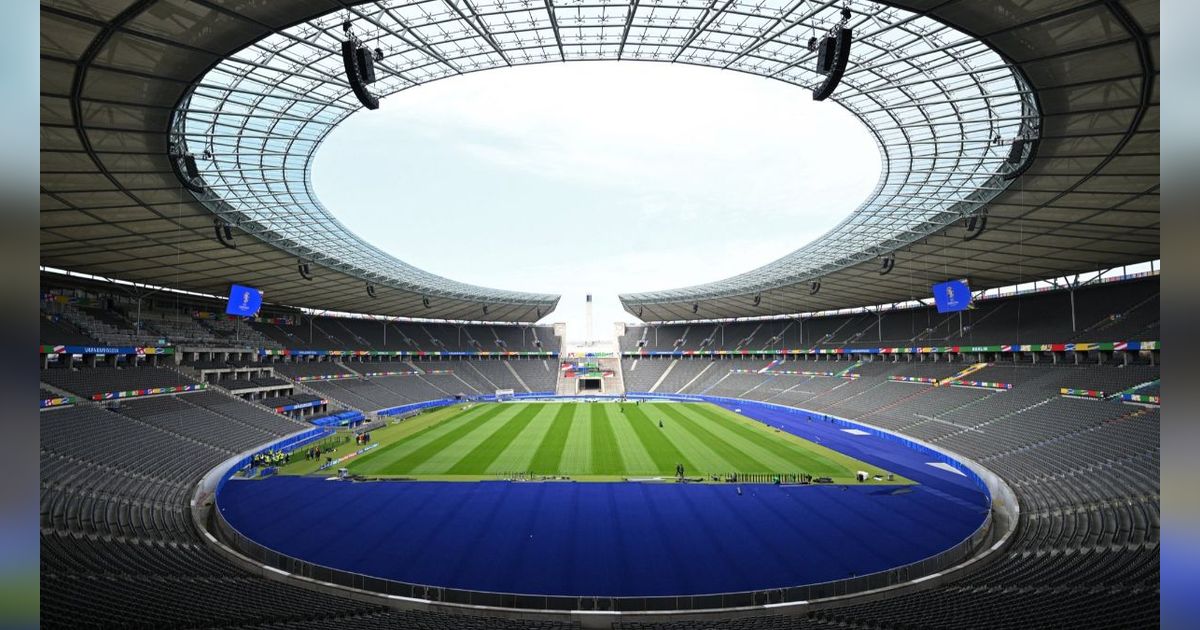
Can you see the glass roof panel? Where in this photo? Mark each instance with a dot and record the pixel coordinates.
(944, 108)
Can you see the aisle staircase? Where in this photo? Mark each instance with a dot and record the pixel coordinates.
(961, 375)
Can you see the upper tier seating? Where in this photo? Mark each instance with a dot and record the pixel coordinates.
(1119, 311)
(86, 382)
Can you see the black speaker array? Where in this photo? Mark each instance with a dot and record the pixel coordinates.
(1014, 154)
(224, 233)
(360, 71)
(975, 226)
(833, 52)
(184, 165)
(304, 269)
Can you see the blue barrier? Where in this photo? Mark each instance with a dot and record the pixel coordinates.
(405, 409)
(338, 419)
(289, 443)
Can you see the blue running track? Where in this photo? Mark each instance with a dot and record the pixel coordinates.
(618, 539)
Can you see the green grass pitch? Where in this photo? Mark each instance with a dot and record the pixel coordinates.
(589, 441)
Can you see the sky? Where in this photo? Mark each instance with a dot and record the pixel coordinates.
(595, 177)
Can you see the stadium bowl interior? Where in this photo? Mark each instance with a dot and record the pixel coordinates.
(1010, 451)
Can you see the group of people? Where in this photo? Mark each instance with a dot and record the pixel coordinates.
(270, 458)
(362, 438)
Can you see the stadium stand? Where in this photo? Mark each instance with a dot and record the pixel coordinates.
(1085, 471)
(87, 382)
(1031, 318)
(54, 330)
(164, 120)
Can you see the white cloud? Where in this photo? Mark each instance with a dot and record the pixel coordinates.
(601, 177)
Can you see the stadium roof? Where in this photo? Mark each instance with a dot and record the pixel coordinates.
(1088, 198)
(252, 88)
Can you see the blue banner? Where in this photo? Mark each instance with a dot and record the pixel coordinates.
(243, 301)
(952, 296)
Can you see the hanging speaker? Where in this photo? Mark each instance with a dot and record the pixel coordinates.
(425, 302)
(1014, 153)
(366, 64)
(305, 271)
(836, 59)
(184, 166)
(354, 74)
(224, 233)
(826, 54)
(695, 307)
(975, 226)
(815, 287)
(371, 290)
(889, 263)
(189, 165)
(757, 299)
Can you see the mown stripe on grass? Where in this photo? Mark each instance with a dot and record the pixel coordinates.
(375, 460)
(633, 453)
(606, 457)
(477, 460)
(664, 452)
(815, 459)
(749, 445)
(428, 451)
(577, 451)
(519, 452)
(549, 453)
(440, 463)
(740, 461)
(704, 459)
